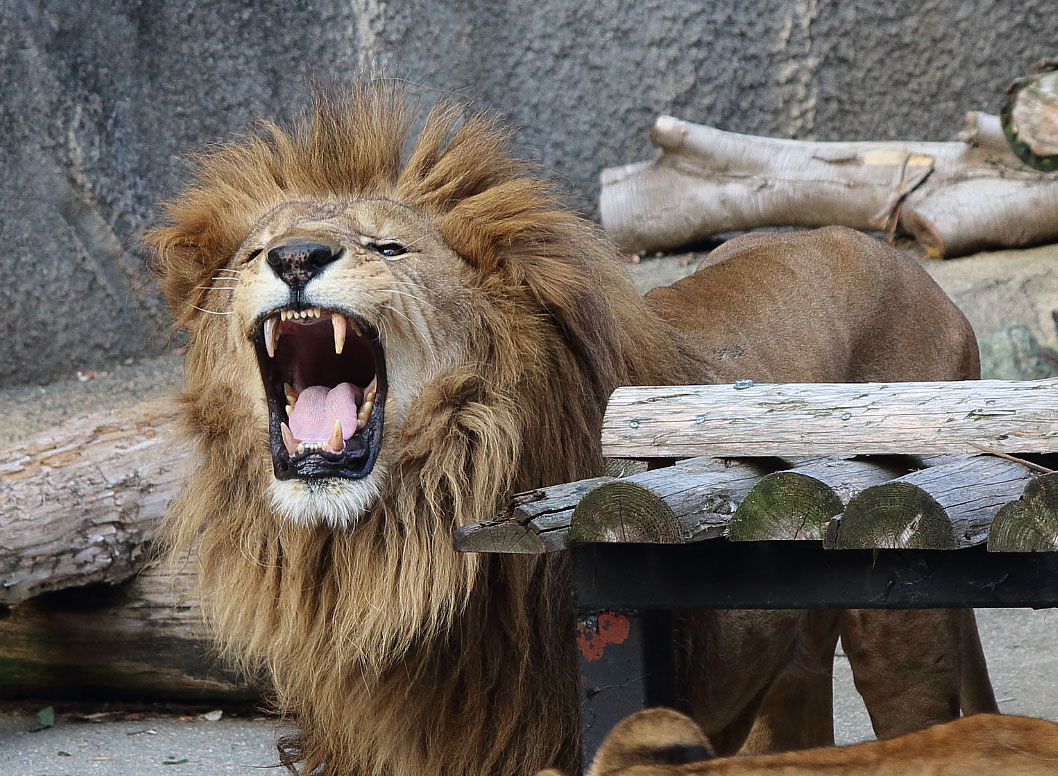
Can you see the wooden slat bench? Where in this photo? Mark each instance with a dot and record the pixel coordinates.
(908, 495)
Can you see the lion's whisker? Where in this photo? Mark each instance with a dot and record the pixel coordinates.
(211, 312)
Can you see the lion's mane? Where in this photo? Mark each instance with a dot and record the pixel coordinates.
(395, 654)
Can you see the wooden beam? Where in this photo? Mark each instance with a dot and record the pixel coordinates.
(831, 419)
(718, 574)
(943, 507)
(79, 503)
(1029, 524)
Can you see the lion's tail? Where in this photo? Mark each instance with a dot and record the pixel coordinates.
(975, 688)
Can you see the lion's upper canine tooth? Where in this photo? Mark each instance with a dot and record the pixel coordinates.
(271, 335)
(339, 323)
(289, 442)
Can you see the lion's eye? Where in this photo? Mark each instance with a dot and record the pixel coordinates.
(388, 249)
(252, 255)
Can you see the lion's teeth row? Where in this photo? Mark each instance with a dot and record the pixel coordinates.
(310, 312)
(339, 323)
(337, 440)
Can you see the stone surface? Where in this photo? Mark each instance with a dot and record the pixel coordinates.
(99, 100)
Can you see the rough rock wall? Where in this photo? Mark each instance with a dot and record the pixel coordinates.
(99, 99)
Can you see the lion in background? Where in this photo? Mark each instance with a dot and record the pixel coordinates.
(385, 345)
(663, 742)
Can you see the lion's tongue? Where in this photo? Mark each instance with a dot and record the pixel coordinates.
(316, 409)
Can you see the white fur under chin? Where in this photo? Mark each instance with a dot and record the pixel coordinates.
(335, 502)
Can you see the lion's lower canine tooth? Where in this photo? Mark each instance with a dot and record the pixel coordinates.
(339, 323)
(289, 442)
(337, 441)
(271, 335)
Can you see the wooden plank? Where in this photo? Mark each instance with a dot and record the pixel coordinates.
(941, 507)
(832, 419)
(79, 503)
(670, 506)
(798, 503)
(1029, 524)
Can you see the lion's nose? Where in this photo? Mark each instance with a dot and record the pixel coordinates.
(298, 261)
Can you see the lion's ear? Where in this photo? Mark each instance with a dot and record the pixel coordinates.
(651, 737)
(178, 266)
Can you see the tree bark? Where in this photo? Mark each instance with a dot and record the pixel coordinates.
(831, 419)
(79, 503)
(954, 198)
(143, 640)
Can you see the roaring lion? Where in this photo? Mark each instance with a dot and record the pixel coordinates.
(663, 742)
(388, 338)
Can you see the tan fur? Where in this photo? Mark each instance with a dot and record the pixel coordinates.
(662, 742)
(506, 328)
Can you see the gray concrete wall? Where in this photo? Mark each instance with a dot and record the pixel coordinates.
(98, 100)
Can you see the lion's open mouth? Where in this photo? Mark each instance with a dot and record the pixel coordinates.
(325, 378)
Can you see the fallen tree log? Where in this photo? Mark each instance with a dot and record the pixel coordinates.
(143, 640)
(84, 614)
(833, 419)
(79, 503)
(953, 198)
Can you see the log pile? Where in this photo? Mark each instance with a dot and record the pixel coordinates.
(84, 612)
(953, 198)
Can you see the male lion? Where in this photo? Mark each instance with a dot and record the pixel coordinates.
(662, 742)
(383, 347)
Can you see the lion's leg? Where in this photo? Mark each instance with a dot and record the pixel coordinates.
(798, 709)
(727, 661)
(975, 686)
(905, 664)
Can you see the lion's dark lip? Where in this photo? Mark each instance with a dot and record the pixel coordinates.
(294, 355)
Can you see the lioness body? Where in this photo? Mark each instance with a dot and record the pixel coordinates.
(490, 325)
(661, 742)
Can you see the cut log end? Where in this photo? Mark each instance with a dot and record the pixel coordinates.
(623, 512)
(1030, 120)
(1029, 524)
(895, 515)
(506, 537)
(784, 505)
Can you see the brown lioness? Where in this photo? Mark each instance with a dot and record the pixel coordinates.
(388, 339)
(662, 742)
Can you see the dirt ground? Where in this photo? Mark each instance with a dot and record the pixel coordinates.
(1020, 644)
